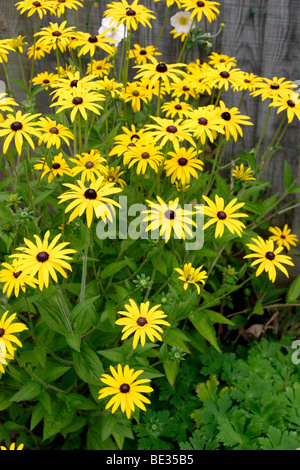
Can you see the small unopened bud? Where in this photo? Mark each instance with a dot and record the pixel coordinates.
(222, 25)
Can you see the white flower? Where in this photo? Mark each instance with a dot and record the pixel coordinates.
(181, 22)
(113, 30)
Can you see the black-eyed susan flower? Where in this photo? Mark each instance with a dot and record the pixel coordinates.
(268, 258)
(272, 88)
(223, 75)
(5, 48)
(224, 216)
(13, 447)
(123, 142)
(169, 217)
(61, 5)
(199, 8)
(70, 81)
(183, 164)
(58, 167)
(158, 89)
(52, 133)
(205, 122)
(8, 328)
(39, 51)
(143, 153)
(110, 86)
(99, 68)
(129, 14)
(141, 55)
(91, 43)
(18, 43)
(126, 390)
(176, 108)
(79, 100)
(243, 174)
(249, 81)
(168, 130)
(135, 95)
(143, 321)
(55, 36)
(91, 199)
(45, 79)
(190, 275)
(113, 175)
(217, 59)
(196, 77)
(4, 356)
(41, 7)
(183, 88)
(283, 237)
(14, 279)
(6, 103)
(90, 164)
(156, 71)
(19, 127)
(289, 102)
(231, 119)
(44, 258)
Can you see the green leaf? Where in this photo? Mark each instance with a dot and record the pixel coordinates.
(204, 326)
(175, 337)
(45, 400)
(294, 291)
(288, 175)
(216, 317)
(38, 414)
(51, 315)
(60, 417)
(88, 365)
(114, 355)
(257, 309)
(29, 391)
(108, 424)
(74, 339)
(80, 402)
(42, 195)
(171, 369)
(112, 268)
(295, 189)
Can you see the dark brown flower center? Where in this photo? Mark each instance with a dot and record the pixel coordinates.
(283, 237)
(185, 88)
(77, 100)
(42, 256)
(170, 214)
(130, 12)
(99, 67)
(111, 179)
(74, 83)
(56, 33)
(131, 145)
(53, 130)
(46, 81)
(16, 126)
(182, 161)
(171, 129)
(247, 81)
(274, 86)
(222, 60)
(135, 93)
(89, 165)
(226, 116)
(178, 106)
(270, 255)
(37, 48)
(141, 321)
(221, 215)
(61, 1)
(93, 39)
(17, 274)
(224, 74)
(143, 52)
(124, 388)
(36, 4)
(56, 166)
(145, 155)
(134, 136)
(161, 67)
(90, 194)
(200, 4)
(1, 332)
(291, 103)
(203, 121)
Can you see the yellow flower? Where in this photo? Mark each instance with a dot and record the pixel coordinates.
(135, 94)
(289, 102)
(7, 329)
(183, 88)
(183, 164)
(190, 275)
(41, 7)
(283, 237)
(70, 81)
(126, 390)
(5, 47)
(79, 100)
(142, 321)
(111, 86)
(272, 88)
(39, 51)
(249, 82)
(15, 279)
(216, 59)
(143, 153)
(6, 102)
(171, 2)
(130, 15)
(55, 36)
(168, 130)
(91, 199)
(59, 167)
(223, 75)
(19, 127)
(169, 217)
(18, 43)
(90, 164)
(142, 54)
(176, 108)
(205, 7)
(205, 122)
(268, 258)
(13, 447)
(231, 119)
(126, 140)
(92, 43)
(45, 79)
(99, 68)
(52, 133)
(113, 176)
(160, 71)
(241, 174)
(61, 5)
(224, 216)
(44, 258)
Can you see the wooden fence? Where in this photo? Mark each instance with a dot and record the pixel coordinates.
(263, 35)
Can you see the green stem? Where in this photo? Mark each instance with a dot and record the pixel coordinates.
(263, 133)
(162, 29)
(33, 54)
(79, 134)
(185, 42)
(265, 162)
